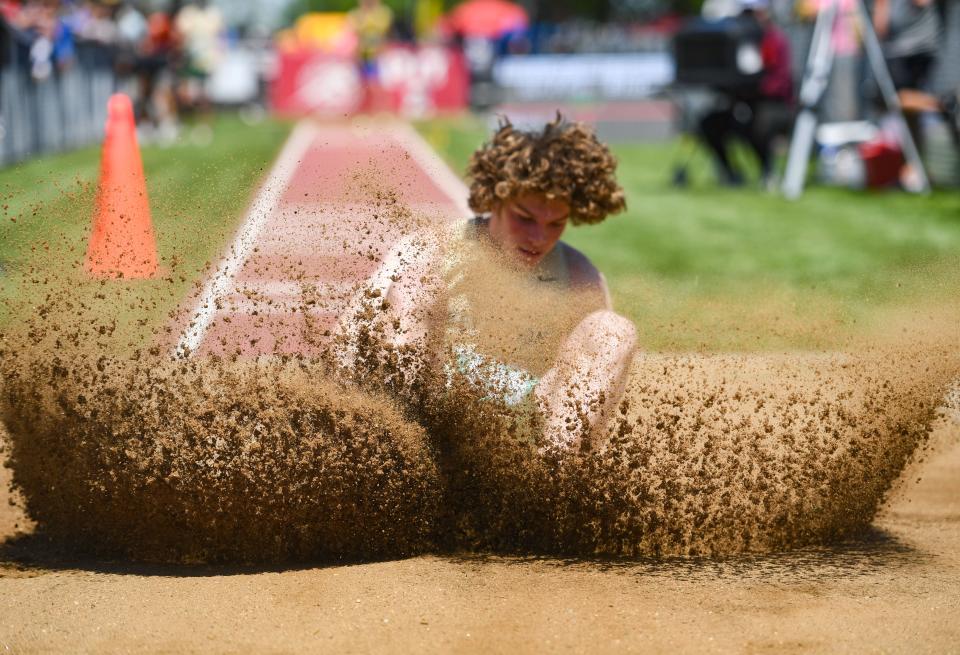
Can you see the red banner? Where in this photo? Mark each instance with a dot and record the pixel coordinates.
(404, 80)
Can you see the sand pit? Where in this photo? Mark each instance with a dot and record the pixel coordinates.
(896, 588)
(733, 492)
(277, 459)
(709, 456)
(240, 464)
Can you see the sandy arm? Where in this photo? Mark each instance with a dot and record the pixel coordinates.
(585, 277)
(398, 306)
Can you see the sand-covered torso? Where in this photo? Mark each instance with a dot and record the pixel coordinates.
(519, 317)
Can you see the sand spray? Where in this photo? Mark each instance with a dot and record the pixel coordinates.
(121, 447)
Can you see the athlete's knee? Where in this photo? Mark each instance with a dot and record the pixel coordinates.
(611, 328)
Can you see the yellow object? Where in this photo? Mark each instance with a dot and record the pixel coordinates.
(326, 31)
(320, 29)
(426, 15)
(372, 25)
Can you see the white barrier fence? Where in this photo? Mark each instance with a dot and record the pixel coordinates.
(625, 76)
(66, 109)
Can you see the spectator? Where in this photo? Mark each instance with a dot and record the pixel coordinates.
(131, 26)
(93, 21)
(371, 21)
(910, 31)
(50, 37)
(756, 118)
(155, 51)
(10, 11)
(200, 27)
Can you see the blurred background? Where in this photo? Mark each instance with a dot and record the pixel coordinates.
(613, 63)
(698, 99)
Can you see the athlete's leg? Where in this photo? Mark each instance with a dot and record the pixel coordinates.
(579, 393)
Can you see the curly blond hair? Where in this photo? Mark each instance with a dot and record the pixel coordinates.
(564, 160)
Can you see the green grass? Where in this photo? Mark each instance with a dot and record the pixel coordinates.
(197, 196)
(714, 268)
(705, 267)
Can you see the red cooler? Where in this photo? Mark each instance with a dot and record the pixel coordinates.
(882, 162)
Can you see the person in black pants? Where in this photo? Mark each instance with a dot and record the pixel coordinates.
(911, 32)
(755, 118)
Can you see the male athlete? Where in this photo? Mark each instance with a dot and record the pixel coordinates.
(502, 299)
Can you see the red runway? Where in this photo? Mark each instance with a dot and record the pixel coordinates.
(338, 197)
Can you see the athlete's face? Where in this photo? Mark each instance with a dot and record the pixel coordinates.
(528, 226)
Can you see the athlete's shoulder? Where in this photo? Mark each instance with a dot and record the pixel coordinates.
(582, 270)
(584, 276)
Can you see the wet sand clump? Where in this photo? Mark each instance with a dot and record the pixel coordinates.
(203, 462)
(708, 456)
(283, 458)
(274, 459)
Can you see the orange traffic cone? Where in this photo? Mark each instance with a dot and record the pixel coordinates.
(122, 243)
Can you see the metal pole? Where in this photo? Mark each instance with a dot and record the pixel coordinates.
(815, 81)
(878, 64)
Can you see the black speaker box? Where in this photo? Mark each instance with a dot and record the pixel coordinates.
(721, 54)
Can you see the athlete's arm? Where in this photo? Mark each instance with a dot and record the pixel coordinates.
(398, 304)
(585, 277)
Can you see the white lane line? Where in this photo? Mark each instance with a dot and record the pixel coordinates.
(239, 306)
(284, 297)
(451, 185)
(434, 166)
(265, 203)
(291, 289)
